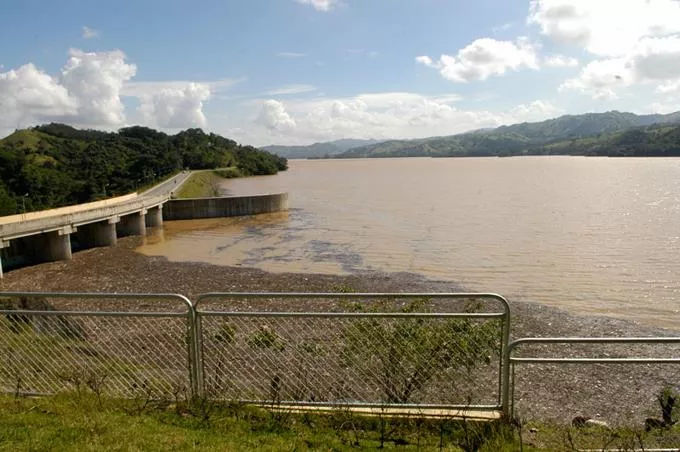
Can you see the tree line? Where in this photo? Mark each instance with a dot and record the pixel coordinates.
(56, 165)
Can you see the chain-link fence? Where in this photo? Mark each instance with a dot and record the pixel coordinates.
(420, 350)
(119, 345)
(447, 351)
(619, 381)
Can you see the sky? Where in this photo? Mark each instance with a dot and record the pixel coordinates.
(302, 71)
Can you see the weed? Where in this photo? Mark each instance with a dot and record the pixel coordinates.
(266, 338)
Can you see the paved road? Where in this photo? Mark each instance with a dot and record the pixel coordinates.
(169, 186)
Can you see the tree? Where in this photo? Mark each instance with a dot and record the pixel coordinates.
(403, 355)
(59, 165)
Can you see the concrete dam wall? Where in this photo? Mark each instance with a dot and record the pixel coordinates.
(232, 206)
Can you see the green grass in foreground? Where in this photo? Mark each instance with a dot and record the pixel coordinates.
(80, 422)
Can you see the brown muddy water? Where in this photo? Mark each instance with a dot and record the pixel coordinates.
(589, 235)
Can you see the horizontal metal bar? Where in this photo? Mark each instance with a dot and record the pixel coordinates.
(371, 405)
(597, 360)
(101, 295)
(585, 340)
(27, 393)
(675, 449)
(347, 295)
(331, 295)
(95, 313)
(411, 315)
(590, 340)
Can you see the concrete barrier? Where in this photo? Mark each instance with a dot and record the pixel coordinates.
(68, 210)
(231, 206)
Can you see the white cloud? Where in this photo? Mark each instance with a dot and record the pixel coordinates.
(560, 61)
(601, 79)
(86, 92)
(28, 95)
(651, 61)
(274, 117)
(484, 58)
(176, 108)
(380, 115)
(501, 28)
(668, 87)
(319, 5)
(291, 55)
(95, 80)
(426, 60)
(663, 108)
(605, 27)
(657, 59)
(89, 33)
(147, 88)
(290, 89)
(534, 111)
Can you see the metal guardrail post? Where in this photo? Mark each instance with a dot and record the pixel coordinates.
(198, 355)
(192, 338)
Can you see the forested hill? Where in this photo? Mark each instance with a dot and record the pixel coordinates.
(588, 134)
(56, 165)
(319, 150)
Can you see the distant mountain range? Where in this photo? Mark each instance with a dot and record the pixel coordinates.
(319, 150)
(607, 133)
(587, 134)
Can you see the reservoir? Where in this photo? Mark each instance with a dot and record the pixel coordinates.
(589, 235)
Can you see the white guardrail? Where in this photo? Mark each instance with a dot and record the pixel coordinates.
(22, 225)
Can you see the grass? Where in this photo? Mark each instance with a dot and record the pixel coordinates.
(201, 184)
(228, 173)
(29, 139)
(80, 422)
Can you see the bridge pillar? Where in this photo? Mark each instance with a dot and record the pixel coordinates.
(133, 224)
(2, 245)
(56, 245)
(154, 217)
(99, 234)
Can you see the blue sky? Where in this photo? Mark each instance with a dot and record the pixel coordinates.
(299, 71)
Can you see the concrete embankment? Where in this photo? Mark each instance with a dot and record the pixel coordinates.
(232, 206)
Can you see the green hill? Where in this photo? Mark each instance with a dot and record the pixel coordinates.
(552, 136)
(56, 165)
(318, 150)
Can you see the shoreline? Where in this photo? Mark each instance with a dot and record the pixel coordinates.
(122, 269)
(613, 393)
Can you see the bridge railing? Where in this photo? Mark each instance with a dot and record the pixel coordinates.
(49, 223)
(66, 210)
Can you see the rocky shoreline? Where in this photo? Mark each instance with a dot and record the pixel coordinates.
(607, 392)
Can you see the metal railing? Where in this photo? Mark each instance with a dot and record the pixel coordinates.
(591, 367)
(124, 344)
(357, 349)
(80, 217)
(429, 350)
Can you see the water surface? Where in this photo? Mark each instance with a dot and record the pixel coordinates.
(592, 235)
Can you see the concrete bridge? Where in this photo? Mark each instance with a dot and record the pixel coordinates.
(45, 236)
